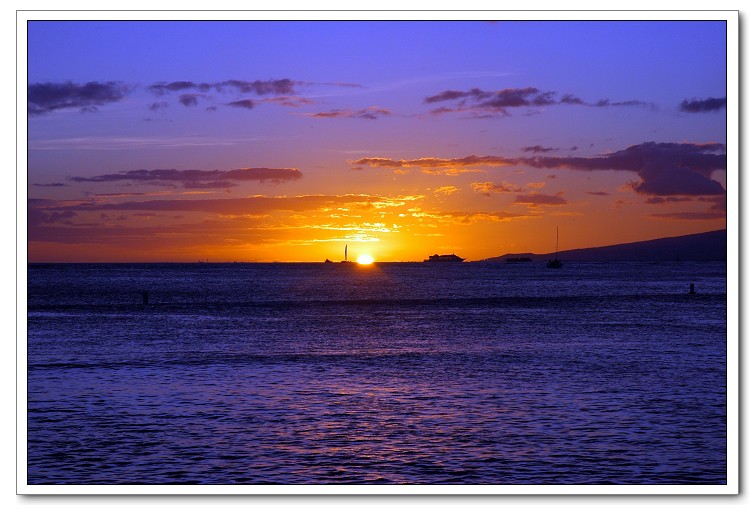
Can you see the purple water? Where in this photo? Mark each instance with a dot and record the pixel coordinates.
(466, 373)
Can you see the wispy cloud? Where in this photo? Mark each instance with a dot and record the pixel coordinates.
(539, 199)
(369, 113)
(194, 179)
(499, 103)
(125, 143)
(259, 87)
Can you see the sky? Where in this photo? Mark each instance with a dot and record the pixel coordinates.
(189, 141)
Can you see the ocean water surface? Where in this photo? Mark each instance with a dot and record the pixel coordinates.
(401, 373)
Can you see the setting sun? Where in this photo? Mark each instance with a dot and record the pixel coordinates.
(364, 259)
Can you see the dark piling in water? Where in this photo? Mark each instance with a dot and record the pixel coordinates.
(145, 297)
(691, 288)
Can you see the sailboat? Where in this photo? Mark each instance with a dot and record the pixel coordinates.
(555, 263)
(346, 255)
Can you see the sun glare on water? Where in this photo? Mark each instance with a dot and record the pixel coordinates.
(364, 259)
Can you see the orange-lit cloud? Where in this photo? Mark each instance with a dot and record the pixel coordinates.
(486, 188)
(434, 162)
(446, 190)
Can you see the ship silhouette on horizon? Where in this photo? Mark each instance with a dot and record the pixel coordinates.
(444, 258)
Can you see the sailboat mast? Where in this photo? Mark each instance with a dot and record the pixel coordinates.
(346, 253)
(557, 242)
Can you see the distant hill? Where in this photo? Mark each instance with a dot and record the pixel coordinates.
(706, 246)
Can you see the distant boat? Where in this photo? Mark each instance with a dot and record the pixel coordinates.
(346, 255)
(445, 258)
(555, 263)
(328, 260)
(518, 260)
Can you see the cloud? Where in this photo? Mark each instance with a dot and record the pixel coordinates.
(243, 206)
(47, 97)
(193, 179)
(716, 210)
(702, 215)
(289, 101)
(486, 103)
(51, 185)
(539, 199)
(666, 200)
(539, 149)
(446, 190)
(188, 100)
(702, 106)
(157, 106)
(476, 216)
(486, 188)
(259, 87)
(369, 113)
(664, 168)
(246, 104)
(598, 193)
(434, 162)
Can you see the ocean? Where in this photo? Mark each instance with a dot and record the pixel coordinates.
(395, 373)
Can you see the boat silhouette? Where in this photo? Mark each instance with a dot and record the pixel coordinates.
(445, 258)
(555, 262)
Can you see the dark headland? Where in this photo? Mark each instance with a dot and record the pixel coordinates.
(706, 246)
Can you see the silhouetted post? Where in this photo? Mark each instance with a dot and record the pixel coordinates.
(145, 297)
(691, 288)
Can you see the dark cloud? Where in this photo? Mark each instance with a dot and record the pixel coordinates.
(702, 106)
(539, 149)
(259, 87)
(369, 113)
(499, 102)
(47, 97)
(262, 87)
(715, 211)
(157, 106)
(246, 104)
(597, 193)
(51, 185)
(194, 179)
(664, 169)
(161, 88)
(540, 199)
(189, 100)
(571, 99)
